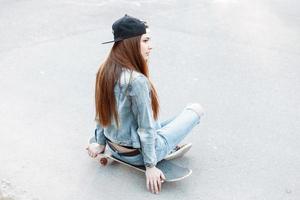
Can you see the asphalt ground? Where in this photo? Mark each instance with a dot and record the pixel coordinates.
(239, 59)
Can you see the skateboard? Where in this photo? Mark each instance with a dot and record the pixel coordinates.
(172, 171)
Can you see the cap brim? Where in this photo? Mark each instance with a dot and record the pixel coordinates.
(115, 40)
(107, 42)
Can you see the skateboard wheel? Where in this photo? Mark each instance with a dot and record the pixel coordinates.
(103, 161)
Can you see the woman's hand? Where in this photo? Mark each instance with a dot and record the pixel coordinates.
(94, 149)
(154, 179)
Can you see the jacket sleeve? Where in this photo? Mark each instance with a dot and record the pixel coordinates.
(99, 135)
(141, 99)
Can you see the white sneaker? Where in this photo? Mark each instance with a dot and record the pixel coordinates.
(178, 151)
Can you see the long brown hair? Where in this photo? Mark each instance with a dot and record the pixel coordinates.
(124, 54)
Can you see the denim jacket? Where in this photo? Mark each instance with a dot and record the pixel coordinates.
(136, 122)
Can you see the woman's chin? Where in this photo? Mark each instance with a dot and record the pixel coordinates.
(146, 58)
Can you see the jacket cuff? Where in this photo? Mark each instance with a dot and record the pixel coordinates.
(150, 165)
(99, 136)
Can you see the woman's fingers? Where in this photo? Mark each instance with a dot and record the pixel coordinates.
(162, 176)
(91, 154)
(152, 186)
(155, 186)
(148, 184)
(158, 185)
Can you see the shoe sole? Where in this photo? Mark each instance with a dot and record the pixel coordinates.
(183, 149)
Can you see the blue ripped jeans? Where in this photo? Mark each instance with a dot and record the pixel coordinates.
(169, 134)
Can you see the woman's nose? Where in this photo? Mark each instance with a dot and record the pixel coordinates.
(150, 47)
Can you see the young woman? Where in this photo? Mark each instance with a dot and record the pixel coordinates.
(127, 105)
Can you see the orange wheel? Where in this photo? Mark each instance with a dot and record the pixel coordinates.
(103, 161)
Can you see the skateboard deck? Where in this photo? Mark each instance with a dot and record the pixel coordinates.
(172, 172)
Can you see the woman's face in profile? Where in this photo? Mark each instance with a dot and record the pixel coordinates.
(145, 46)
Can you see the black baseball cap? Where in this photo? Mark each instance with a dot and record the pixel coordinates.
(127, 27)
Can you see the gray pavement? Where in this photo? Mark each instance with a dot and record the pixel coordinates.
(240, 59)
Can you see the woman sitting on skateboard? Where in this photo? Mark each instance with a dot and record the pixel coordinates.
(127, 105)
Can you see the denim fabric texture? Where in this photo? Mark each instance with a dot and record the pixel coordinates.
(138, 128)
